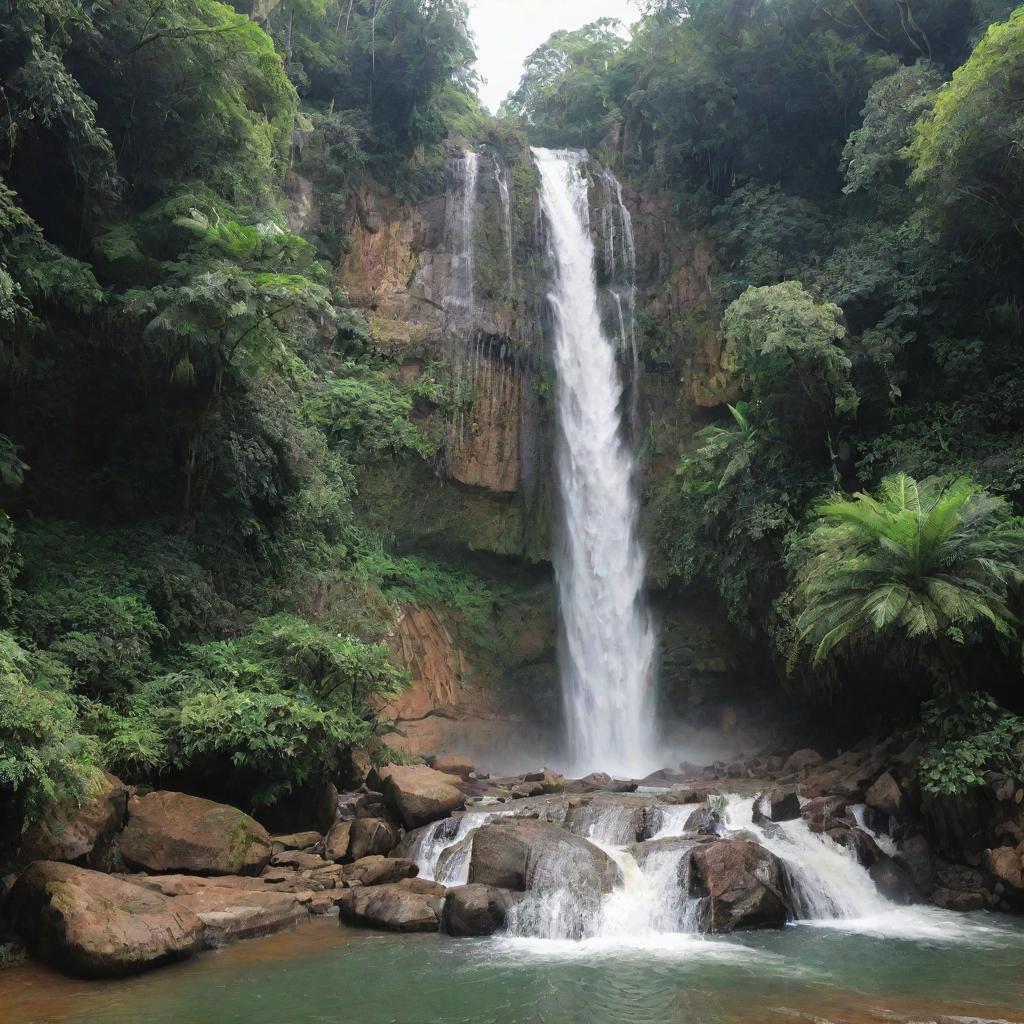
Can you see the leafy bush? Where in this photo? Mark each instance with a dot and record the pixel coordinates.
(43, 754)
(968, 735)
(280, 705)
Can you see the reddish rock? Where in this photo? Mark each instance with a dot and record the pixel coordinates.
(371, 837)
(475, 910)
(392, 908)
(454, 764)
(1005, 863)
(336, 842)
(173, 832)
(378, 871)
(296, 841)
(825, 812)
(95, 926)
(801, 760)
(420, 794)
(69, 831)
(885, 795)
(742, 883)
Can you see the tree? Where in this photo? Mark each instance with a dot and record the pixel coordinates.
(969, 157)
(924, 568)
(783, 347)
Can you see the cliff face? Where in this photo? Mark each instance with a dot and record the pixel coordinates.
(459, 280)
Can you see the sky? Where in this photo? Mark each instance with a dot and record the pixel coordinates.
(508, 31)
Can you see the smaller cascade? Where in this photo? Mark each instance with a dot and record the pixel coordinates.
(463, 173)
(501, 179)
(620, 268)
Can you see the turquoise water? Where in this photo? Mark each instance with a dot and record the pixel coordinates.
(324, 974)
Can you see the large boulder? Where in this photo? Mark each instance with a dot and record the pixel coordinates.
(801, 760)
(454, 764)
(378, 871)
(885, 794)
(69, 831)
(742, 884)
(523, 853)
(473, 910)
(371, 837)
(825, 813)
(893, 881)
(337, 841)
(777, 804)
(420, 794)
(231, 908)
(95, 926)
(173, 832)
(1007, 865)
(397, 908)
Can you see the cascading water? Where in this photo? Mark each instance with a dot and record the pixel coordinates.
(501, 180)
(460, 227)
(608, 645)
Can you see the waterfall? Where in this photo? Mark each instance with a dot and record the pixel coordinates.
(607, 639)
(460, 228)
(501, 179)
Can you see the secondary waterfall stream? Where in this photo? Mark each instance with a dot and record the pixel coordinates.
(607, 640)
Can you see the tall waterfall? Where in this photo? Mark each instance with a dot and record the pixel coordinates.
(460, 225)
(608, 647)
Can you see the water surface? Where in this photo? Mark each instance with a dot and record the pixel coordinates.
(323, 973)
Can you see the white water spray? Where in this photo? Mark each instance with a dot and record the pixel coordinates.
(608, 645)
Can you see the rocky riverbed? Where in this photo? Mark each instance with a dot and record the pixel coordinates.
(134, 879)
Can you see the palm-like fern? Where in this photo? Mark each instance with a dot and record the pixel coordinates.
(920, 564)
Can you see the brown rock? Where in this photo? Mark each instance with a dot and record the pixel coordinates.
(378, 870)
(777, 804)
(524, 853)
(370, 837)
(825, 812)
(473, 910)
(299, 860)
(863, 847)
(72, 832)
(1005, 863)
(742, 883)
(958, 899)
(420, 794)
(392, 908)
(296, 841)
(231, 913)
(172, 832)
(454, 764)
(95, 926)
(802, 760)
(885, 794)
(336, 842)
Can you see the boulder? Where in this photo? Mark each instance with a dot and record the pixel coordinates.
(523, 853)
(370, 837)
(473, 910)
(742, 884)
(824, 813)
(1004, 863)
(801, 760)
(172, 832)
(777, 804)
(378, 871)
(915, 855)
(420, 794)
(296, 841)
(454, 764)
(893, 881)
(958, 899)
(336, 842)
(95, 926)
(858, 842)
(396, 908)
(885, 794)
(706, 822)
(69, 831)
(299, 860)
(230, 913)
(549, 781)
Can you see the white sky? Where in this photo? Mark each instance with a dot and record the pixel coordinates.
(508, 31)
